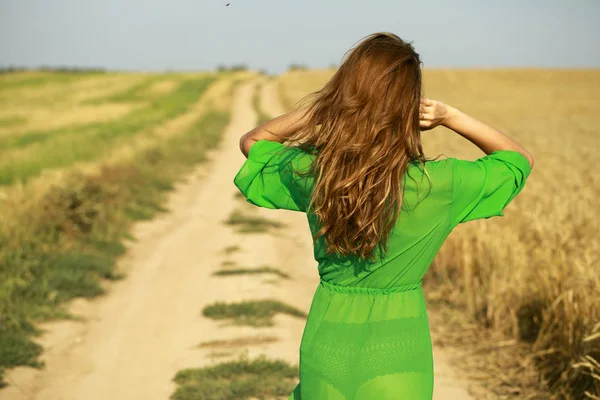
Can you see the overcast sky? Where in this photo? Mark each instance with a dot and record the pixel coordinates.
(271, 34)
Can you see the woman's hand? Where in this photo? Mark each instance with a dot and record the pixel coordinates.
(432, 113)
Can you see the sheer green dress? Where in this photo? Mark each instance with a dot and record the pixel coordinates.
(367, 333)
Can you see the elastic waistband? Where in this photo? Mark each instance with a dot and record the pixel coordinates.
(369, 290)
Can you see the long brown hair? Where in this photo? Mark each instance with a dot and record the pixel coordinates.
(364, 126)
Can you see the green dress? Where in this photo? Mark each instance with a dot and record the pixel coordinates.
(367, 333)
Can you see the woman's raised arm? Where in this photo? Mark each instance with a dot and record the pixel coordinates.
(487, 138)
(276, 130)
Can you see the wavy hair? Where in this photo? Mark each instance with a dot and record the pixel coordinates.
(363, 126)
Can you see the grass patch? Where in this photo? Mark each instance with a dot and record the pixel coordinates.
(241, 379)
(227, 263)
(251, 271)
(64, 243)
(231, 249)
(17, 350)
(252, 313)
(251, 224)
(239, 342)
(219, 354)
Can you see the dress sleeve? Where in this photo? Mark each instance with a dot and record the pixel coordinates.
(484, 187)
(267, 178)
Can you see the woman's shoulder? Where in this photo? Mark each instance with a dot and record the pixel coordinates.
(279, 153)
(438, 164)
(497, 160)
(299, 158)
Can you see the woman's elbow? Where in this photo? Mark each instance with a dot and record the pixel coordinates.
(529, 157)
(246, 142)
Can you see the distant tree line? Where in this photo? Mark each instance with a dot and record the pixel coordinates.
(44, 68)
(297, 67)
(244, 67)
(233, 68)
(239, 67)
(67, 69)
(303, 67)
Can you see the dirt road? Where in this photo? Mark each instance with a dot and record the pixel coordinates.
(130, 343)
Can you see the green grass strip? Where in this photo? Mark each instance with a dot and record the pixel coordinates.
(63, 147)
(252, 312)
(252, 271)
(9, 122)
(243, 379)
(251, 224)
(64, 246)
(138, 92)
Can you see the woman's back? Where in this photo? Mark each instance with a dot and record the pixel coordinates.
(456, 191)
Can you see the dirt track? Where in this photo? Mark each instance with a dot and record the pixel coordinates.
(131, 342)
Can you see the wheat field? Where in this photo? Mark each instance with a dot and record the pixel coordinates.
(532, 276)
(82, 155)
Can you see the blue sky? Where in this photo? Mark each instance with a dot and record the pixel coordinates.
(271, 34)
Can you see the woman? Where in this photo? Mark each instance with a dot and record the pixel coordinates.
(378, 211)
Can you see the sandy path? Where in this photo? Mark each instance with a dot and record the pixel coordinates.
(130, 343)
